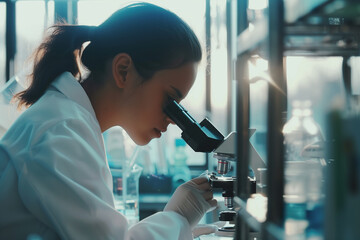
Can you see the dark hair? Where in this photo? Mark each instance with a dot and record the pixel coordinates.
(155, 39)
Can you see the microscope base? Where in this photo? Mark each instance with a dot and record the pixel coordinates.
(226, 231)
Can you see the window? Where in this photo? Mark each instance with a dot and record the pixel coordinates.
(218, 54)
(32, 18)
(321, 81)
(259, 81)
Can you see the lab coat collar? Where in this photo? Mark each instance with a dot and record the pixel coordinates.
(67, 84)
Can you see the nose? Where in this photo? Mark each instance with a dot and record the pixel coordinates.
(169, 120)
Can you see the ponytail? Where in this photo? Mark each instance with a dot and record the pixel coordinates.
(59, 52)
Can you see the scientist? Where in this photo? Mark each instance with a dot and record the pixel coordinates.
(55, 182)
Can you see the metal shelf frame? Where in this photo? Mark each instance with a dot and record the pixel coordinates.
(275, 39)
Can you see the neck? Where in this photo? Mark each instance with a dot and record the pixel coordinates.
(101, 101)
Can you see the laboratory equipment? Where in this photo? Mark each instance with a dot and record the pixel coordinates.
(126, 192)
(227, 186)
(303, 172)
(204, 137)
(180, 171)
(125, 173)
(261, 181)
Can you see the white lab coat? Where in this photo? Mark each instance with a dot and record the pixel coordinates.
(54, 178)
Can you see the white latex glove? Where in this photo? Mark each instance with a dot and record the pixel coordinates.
(192, 200)
(205, 229)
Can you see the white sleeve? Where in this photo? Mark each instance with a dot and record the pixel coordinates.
(65, 184)
(162, 225)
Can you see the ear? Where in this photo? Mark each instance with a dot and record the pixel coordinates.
(120, 68)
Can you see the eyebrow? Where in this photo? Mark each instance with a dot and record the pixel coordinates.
(178, 93)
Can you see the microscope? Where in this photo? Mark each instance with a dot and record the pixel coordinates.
(204, 137)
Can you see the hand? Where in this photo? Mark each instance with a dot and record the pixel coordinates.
(206, 229)
(192, 200)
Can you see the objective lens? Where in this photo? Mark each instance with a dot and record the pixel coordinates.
(223, 167)
(228, 202)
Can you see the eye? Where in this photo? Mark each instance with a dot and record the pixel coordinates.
(168, 98)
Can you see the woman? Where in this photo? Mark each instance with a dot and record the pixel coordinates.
(54, 178)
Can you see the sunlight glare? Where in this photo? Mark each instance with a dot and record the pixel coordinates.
(219, 80)
(258, 68)
(258, 4)
(28, 15)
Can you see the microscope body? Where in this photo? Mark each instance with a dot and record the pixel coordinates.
(225, 154)
(204, 137)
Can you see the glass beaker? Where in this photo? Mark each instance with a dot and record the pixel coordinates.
(126, 191)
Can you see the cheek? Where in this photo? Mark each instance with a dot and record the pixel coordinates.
(153, 102)
(147, 109)
(153, 110)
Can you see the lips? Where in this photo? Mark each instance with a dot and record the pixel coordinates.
(157, 132)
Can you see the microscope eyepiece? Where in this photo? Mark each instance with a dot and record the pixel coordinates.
(203, 137)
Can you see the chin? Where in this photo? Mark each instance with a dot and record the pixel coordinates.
(141, 141)
(138, 138)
